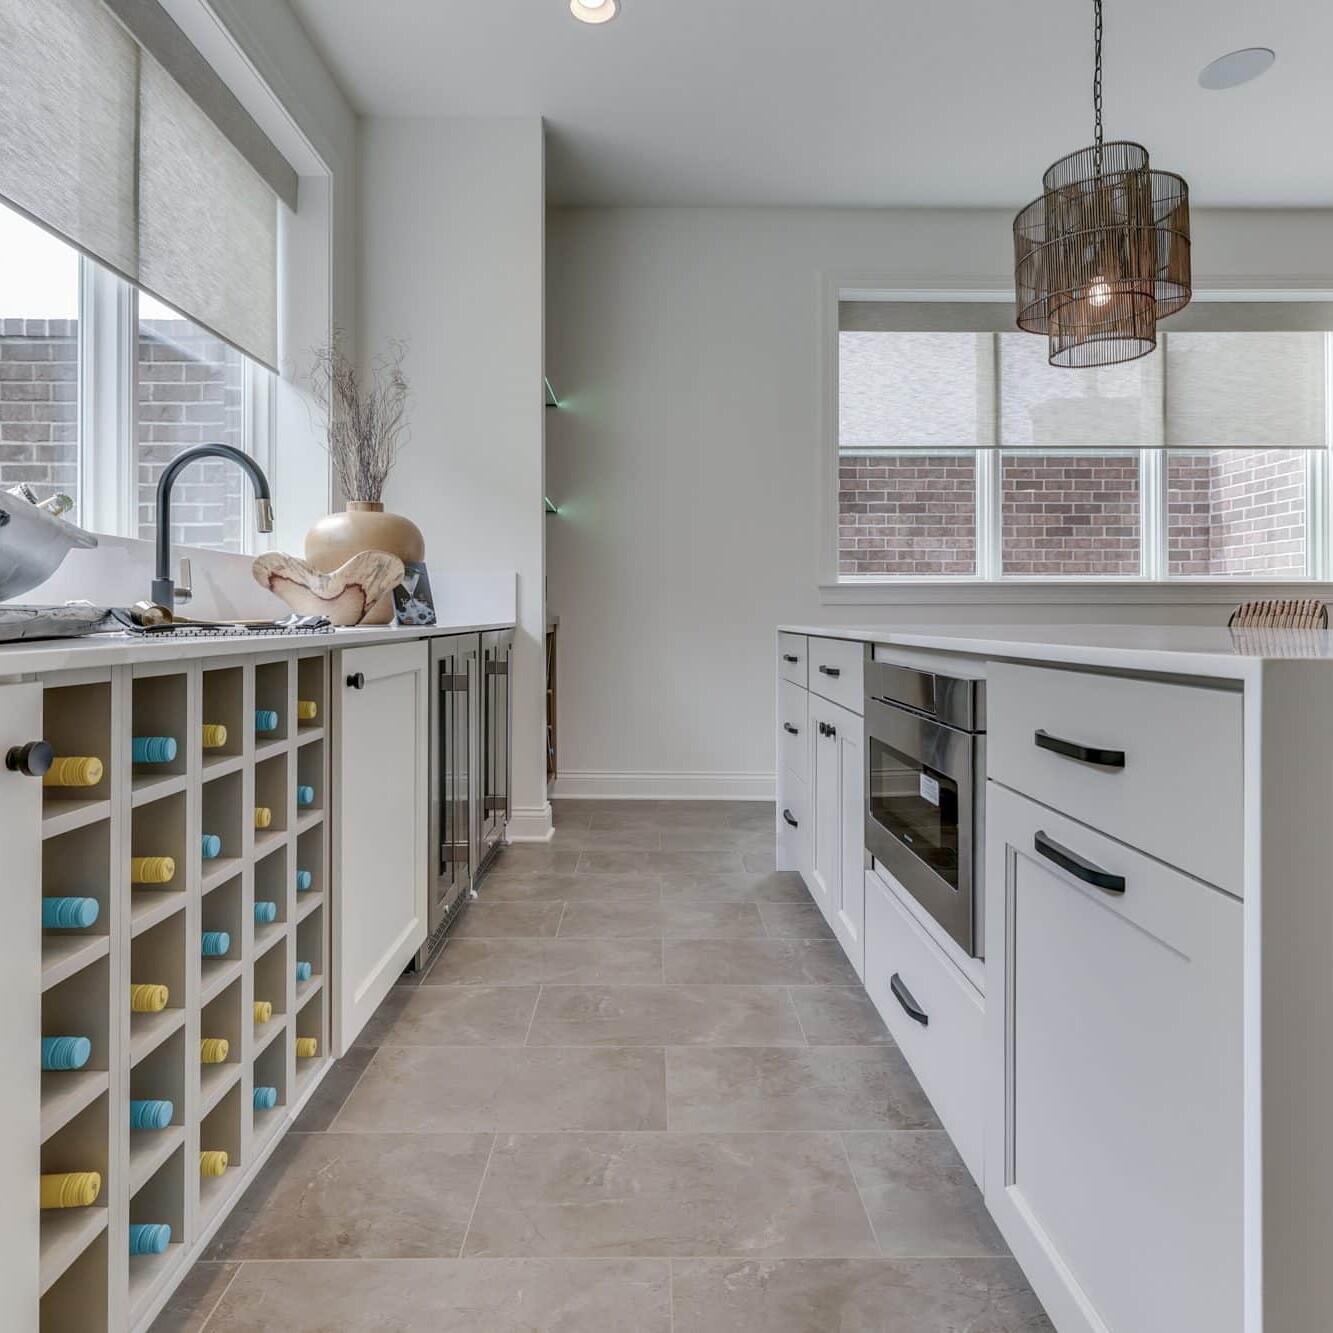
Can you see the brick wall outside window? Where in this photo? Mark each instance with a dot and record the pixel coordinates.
(907, 514)
(39, 413)
(191, 391)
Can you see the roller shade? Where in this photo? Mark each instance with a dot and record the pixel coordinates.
(68, 120)
(118, 136)
(1236, 389)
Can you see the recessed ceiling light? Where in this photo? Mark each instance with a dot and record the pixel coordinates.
(1236, 67)
(594, 11)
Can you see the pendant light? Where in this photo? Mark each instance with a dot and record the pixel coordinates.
(1104, 253)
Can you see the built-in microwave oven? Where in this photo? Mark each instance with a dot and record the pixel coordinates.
(925, 762)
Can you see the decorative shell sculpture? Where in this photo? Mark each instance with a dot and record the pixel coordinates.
(345, 595)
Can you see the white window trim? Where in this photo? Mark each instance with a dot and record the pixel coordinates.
(987, 587)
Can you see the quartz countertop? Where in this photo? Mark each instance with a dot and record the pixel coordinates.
(44, 656)
(1190, 650)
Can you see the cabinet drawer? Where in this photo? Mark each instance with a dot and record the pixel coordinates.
(793, 737)
(835, 672)
(1160, 766)
(945, 1051)
(792, 658)
(794, 842)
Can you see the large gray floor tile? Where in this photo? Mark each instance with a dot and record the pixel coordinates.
(826, 1087)
(921, 1199)
(794, 921)
(501, 920)
(541, 886)
(662, 815)
(335, 1088)
(853, 1296)
(432, 1089)
(668, 1194)
(753, 816)
(634, 838)
(190, 1305)
(839, 1016)
(757, 962)
(665, 1015)
(519, 962)
(760, 862)
(448, 1296)
(727, 838)
(659, 863)
(454, 1016)
(358, 1196)
(522, 857)
(779, 886)
(681, 918)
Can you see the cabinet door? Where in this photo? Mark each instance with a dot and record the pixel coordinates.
(838, 780)
(1114, 1021)
(380, 825)
(21, 1014)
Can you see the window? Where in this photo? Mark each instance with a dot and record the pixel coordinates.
(39, 359)
(964, 454)
(62, 326)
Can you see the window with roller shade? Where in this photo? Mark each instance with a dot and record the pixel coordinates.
(120, 147)
(962, 453)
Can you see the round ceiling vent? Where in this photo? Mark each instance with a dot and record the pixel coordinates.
(1236, 67)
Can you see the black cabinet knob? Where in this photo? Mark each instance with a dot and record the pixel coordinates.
(32, 759)
(357, 681)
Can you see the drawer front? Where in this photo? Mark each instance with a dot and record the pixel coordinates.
(836, 672)
(793, 734)
(1156, 765)
(945, 1052)
(792, 654)
(795, 847)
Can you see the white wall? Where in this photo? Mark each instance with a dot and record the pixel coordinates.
(686, 346)
(452, 252)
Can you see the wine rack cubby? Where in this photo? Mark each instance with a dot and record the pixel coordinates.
(201, 767)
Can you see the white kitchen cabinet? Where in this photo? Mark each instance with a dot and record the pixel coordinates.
(20, 1015)
(837, 783)
(1114, 1034)
(380, 774)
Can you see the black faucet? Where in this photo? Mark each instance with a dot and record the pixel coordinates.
(164, 589)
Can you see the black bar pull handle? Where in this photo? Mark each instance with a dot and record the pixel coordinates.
(1077, 866)
(1088, 754)
(790, 657)
(835, 672)
(790, 818)
(905, 998)
(787, 726)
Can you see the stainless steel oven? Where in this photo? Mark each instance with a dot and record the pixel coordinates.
(925, 790)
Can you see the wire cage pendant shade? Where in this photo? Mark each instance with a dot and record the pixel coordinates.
(1104, 252)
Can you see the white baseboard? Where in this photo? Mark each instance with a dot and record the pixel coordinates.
(530, 825)
(666, 786)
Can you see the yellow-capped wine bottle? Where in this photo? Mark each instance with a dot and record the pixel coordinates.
(73, 771)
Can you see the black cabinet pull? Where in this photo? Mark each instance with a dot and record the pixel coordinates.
(357, 681)
(835, 672)
(1088, 754)
(32, 759)
(788, 657)
(905, 998)
(787, 726)
(790, 818)
(1077, 866)
(831, 731)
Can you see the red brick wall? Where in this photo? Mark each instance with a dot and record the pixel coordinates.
(907, 515)
(1070, 514)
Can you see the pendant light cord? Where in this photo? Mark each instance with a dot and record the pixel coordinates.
(1097, 80)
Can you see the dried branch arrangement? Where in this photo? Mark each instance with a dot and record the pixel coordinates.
(365, 417)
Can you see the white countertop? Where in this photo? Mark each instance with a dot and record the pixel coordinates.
(1191, 650)
(44, 656)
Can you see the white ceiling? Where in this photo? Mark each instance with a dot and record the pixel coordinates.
(853, 102)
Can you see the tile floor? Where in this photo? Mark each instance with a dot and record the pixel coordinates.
(640, 1090)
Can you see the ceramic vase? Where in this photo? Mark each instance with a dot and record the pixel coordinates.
(364, 526)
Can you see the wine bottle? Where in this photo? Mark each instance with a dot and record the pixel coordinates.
(152, 869)
(69, 913)
(153, 749)
(73, 771)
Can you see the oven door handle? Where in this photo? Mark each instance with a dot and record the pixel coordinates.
(908, 1001)
(1087, 754)
(1077, 866)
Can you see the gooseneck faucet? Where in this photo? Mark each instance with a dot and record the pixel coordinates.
(164, 589)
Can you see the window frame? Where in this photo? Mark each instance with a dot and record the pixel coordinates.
(989, 584)
(108, 381)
